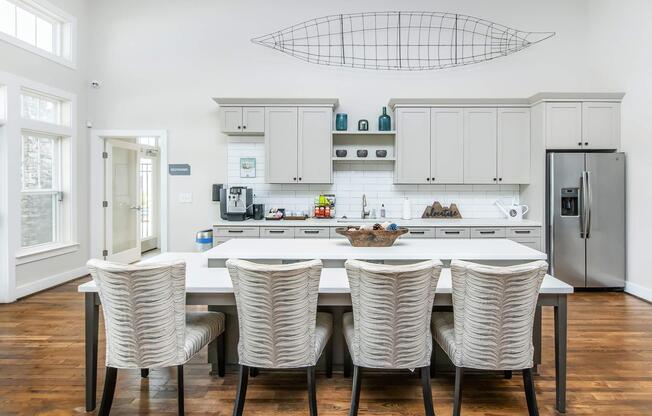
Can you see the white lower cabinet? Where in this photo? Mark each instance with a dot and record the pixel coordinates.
(453, 232)
(534, 243)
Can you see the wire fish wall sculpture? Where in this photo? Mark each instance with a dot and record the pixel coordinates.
(403, 41)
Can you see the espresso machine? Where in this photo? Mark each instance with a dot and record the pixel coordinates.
(236, 203)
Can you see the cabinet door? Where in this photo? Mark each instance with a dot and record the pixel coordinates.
(480, 145)
(231, 120)
(315, 145)
(253, 120)
(563, 125)
(447, 145)
(514, 145)
(412, 145)
(601, 125)
(281, 148)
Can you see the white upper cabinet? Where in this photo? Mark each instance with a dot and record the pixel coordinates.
(281, 146)
(513, 153)
(447, 145)
(600, 125)
(412, 145)
(253, 120)
(315, 143)
(242, 120)
(564, 125)
(480, 145)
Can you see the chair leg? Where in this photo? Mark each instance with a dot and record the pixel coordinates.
(180, 388)
(427, 391)
(312, 391)
(221, 355)
(355, 392)
(144, 372)
(329, 358)
(459, 378)
(347, 363)
(508, 374)
(433, 361)
(253, 371)
(109, 391)
(238, 406)
(530, 393)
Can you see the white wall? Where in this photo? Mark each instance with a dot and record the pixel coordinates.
(621, 60)
(161, 62)
(33, 67)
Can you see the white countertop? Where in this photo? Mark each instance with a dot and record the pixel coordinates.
(202, 279)
(416, 222)
(403, 249)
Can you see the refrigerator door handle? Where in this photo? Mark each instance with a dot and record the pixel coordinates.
(589, 205)
(585, 204)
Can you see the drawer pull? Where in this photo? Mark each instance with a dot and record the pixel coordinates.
(236, 231)
(417, 232)
(487, 232)
(311, 231)
(451, 232)
(276, 231)
(522, 231)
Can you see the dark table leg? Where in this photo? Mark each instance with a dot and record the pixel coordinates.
(91, 323)
(561, 338)
(213, 350)
(537, 338)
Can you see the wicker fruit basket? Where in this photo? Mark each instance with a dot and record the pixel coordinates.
(370, 238)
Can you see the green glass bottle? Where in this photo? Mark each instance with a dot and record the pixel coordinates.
(384, 121)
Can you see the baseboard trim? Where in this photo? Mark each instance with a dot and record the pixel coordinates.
(49, 282)
(639, 291)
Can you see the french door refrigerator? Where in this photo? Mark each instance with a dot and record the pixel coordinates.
(586, 218)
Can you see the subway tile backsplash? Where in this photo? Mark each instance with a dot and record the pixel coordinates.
(353, 179)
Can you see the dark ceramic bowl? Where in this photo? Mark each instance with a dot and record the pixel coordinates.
(381, 153)
(340, 152)
(362, 153)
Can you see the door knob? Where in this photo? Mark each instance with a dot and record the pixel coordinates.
(135, 207)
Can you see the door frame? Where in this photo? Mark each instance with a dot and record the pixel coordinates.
(96, 190)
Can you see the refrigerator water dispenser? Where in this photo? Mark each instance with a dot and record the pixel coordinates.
(569, 202)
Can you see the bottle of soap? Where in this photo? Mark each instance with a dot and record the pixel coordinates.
(382, 210)
(407, 209)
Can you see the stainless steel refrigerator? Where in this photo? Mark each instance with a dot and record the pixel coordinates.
(586, 218)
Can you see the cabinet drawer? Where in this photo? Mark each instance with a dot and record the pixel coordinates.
(488, 232)
(311, 232)
(276, 232)
(523, 232)
(419, 232)
(334, 234)
(534, 242)
(454, 232)
(236, 232)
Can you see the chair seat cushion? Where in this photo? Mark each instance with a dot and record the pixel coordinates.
(323, 332)
(443, 330)
(201, 329)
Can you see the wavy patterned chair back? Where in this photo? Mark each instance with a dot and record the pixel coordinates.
(392, 309)
(277, 308)
(144, 313)
(494, 314)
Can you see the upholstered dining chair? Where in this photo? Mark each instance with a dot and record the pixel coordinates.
(389, 327)
(146, 322)
(492, 321)
(279, 324)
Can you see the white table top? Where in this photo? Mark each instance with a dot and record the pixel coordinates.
(202, 279)
(403, 249)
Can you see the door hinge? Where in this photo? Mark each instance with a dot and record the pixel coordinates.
(105, 253)
(105, 155)
(105, 204)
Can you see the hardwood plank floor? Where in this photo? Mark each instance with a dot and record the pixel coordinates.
(609, 370)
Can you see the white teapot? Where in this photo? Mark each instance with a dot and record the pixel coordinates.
(513, 212)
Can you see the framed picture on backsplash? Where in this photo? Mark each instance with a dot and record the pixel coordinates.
(247, 167)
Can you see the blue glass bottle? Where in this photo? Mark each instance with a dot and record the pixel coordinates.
(384, 121)
(341, 120)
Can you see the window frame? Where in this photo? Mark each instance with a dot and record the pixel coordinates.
(64, 33)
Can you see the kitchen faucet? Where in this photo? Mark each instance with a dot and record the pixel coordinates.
(365, 212)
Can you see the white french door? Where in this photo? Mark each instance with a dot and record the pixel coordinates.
(122, 193)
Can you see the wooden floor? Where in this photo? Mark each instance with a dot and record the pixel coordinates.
(609, 370)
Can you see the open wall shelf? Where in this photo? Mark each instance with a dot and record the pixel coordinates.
(363, 133)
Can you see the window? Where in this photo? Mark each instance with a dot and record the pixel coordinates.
(38, 27)
(39, 107)
(147, 198)
(148, 141)
(41, 193)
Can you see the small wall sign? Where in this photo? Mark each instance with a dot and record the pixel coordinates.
(179, 169)
(247, 167)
